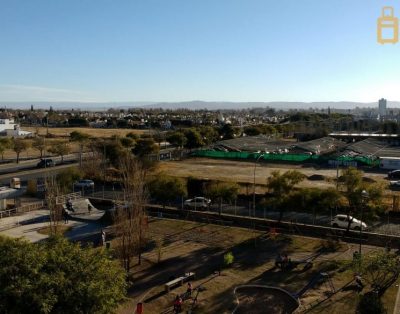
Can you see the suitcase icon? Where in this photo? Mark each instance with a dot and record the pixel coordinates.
(388, 27)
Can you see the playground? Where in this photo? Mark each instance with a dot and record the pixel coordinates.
(181, 252)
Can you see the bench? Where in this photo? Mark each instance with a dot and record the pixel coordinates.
(178, 281)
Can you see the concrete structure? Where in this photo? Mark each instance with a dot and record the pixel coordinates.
(382, 107)
(8, 193)
(10, 129)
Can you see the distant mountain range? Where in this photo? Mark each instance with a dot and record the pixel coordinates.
(194, 105)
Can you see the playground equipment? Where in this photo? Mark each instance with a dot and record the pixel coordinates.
(314, 281)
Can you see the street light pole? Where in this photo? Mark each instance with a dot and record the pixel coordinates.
(254, 185)
(364, 196)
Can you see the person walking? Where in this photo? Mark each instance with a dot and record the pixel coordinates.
(65, 215)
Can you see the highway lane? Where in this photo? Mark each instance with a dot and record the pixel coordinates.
(26, 175)
(31, 164)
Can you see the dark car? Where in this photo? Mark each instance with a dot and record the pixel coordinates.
(394, 174)
(44, 163)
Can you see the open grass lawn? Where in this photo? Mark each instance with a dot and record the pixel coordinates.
(200, 247)
(94, 132)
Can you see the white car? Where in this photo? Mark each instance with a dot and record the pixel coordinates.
(394, 184)
(197, 203)
(84, 184)
(341, 221)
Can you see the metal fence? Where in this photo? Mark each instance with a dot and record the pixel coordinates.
(22, 209)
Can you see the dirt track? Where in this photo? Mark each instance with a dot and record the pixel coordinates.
(242, 171)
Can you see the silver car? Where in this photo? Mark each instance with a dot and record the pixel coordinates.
(197, 203)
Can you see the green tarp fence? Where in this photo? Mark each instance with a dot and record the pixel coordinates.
(284, 157)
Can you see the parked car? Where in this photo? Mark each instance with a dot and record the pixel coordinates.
(341, 221)
(394, 174)
(84, 184)
(394, 184)
(45, 162)
(197, 203)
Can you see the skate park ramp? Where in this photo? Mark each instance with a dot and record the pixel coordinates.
(80, 210)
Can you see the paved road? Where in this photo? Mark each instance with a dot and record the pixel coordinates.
(26, 175)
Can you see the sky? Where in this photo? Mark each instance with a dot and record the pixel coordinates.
(181, 50)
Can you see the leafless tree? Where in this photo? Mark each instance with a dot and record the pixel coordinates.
(130, 218)
(52, 191)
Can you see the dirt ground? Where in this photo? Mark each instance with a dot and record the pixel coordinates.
(199, 247)
(243, 172)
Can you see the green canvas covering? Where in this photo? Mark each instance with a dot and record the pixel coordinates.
(285, 157)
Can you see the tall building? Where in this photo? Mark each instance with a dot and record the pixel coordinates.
(382, 107)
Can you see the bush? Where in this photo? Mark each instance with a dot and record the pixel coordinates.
(228, 259)
(370, 303)
(31, 189)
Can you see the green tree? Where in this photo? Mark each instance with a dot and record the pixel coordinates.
(145, 146)
(222, 191)
(57, 276)
(167, 189)
(193, 138)
(177, 138)
(281, 185)
(39, 144)
(252, 130)
(227, 132)
(60, 148)
(19, 145)
(5, 144)
(379, 269)
(209, 134)
(82, 139)
(67, 177)
(132, 135)
(352, 184)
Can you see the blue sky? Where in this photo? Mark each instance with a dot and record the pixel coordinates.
(178, 50)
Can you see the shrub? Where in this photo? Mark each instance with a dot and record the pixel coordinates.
(228, 259)
(31, 189)
(370, 303)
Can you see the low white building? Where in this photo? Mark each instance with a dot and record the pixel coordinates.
(10, 129)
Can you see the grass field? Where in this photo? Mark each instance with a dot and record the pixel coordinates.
(199, 247)
(94, 132)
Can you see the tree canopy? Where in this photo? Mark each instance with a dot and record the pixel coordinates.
(57, 276)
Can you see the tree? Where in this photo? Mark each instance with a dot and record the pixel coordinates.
(5, 144)
(167, 189)
(60, 148)
(222, 191)
(370, 303)
(130, 218)
(227, 132)
(19, 145)
(209, 134)
(67, 177)
(193, 139)
(145, 147)
(281, 185)
(177, 138)
(39, 144)
(379, 269)
(82, 139)
(252, 131)
(57, 276)
(352, 184)
(127, 142)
